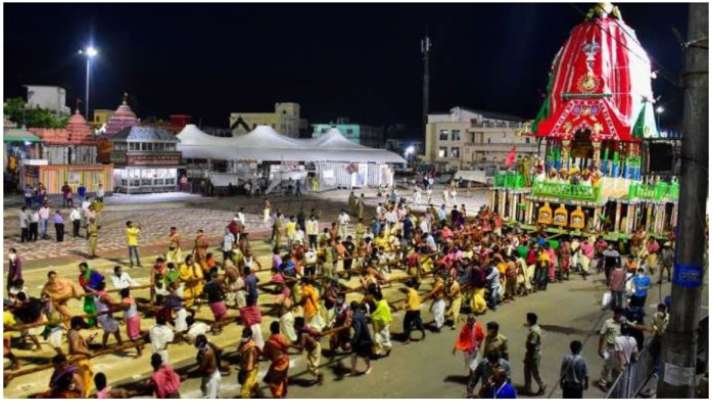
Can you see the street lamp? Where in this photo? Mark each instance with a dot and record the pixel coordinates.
(89, 52)
(658, 111)
(409, 151)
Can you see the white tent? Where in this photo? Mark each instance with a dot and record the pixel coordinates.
(265, 144)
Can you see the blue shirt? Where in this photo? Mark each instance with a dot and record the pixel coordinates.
(641, 284)
(505, 391)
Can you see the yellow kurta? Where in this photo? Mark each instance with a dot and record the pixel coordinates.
(191, 291)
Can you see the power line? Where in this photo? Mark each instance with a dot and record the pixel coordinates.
(662, 69)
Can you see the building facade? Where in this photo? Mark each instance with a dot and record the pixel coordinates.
(363, 134)
(48, 97)
(466, 139)
(285, 119)
(145, 160)
(68, 155)
(100, 117)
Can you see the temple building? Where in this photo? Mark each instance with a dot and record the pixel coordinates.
(68, 155)
(121, 118)
(598, 109)
(146, 160)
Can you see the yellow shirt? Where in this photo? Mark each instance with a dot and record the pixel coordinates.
(8, 320)
(310, 307)
(133, 236)
(381, 241)
(290, 229)
(413, 300)
(502, 268)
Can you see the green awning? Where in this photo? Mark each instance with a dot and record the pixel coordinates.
(18, 135)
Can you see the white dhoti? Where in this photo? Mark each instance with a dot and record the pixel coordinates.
(471, 359)
(382, 340)
(438, 308)
(286, 321)
(211, 385)
(258, 336)
(266, 215)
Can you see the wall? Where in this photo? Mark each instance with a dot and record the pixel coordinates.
(285, 119)
(47, 97)
(54, 177)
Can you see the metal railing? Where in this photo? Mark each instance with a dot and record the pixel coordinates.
(636, 376)
(633, 381)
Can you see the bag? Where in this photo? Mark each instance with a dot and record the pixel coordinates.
(630, 288)
(606, 299)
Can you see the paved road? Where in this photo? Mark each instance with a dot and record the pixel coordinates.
(427, 369)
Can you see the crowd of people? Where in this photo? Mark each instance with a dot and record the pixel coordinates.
(467, 264)
(36, 215)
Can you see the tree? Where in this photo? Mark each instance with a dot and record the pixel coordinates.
(16, 110)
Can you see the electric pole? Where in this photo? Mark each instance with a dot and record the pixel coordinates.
(425, 46)
(677, 379)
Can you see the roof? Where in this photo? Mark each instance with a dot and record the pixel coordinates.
(143, 133)
(123, 117)
(496, 115)
(265, 144)
(18, 135)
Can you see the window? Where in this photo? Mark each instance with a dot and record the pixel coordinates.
(443, 135)
(323, 130)
(456, 135)
(349, 131)
(489, 140)
(455, 152)
(528, 140)
(145, 146)
(442, 152)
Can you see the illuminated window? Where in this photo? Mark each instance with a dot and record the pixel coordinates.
(455, 152)
(443, 135)
(442, 152)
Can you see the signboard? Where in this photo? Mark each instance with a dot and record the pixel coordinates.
(688, 276)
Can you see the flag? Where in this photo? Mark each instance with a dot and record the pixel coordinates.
(510, 157)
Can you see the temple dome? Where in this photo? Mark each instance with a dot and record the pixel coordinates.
(123, 117)
(78, 130)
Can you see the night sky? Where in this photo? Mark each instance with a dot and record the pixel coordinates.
(356, 60)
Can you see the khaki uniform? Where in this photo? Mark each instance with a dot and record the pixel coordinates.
(92, 237)
(496, 343)
(532, 358)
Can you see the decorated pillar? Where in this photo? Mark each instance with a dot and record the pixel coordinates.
(565, 154)
(674, 216)
(597, 218)
(649, 218)
(529, 212)
(596, 154)
(502, 203)
(617, 221)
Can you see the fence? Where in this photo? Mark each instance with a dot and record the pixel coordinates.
(633, 381)
(635, 377)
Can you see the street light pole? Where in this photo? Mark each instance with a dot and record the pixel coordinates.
(89, 52)
(678, 365)
(86, 89)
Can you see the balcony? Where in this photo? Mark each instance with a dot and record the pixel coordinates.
(509, 180)
(660, 191)
(566, 191)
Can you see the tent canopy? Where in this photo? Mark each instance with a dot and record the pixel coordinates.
(265, 144)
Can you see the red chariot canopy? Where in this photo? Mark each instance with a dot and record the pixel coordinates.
(600, 81)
